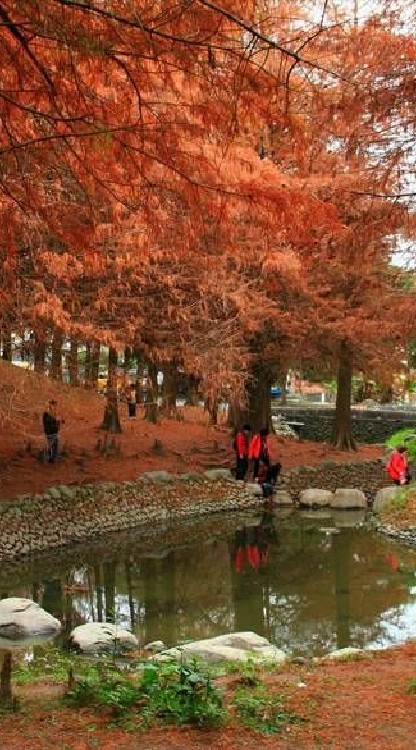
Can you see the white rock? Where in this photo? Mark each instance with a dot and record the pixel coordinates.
(232, 647)
(384, 498)
(346, 653)
(23, 619)
(345, 498)
(253, 488)
(281, 497)
(102, 636)
(316, 497)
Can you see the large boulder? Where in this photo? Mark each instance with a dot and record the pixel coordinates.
(95, 637)
(344, 498)
(231, 647)
(315, 498)
(384, 498)
(23, 619)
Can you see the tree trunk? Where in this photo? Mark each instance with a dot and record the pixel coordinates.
(138, 385)
(211, 406)
(39, 353)
(111, 419)
(129, 583)
(342, 437)
(6, 697)
(193, 396)
(386, 396)
(258, 410)
(7, 344)
(170, 387)
(282, 382)
(128, 355)
(112, 368)
(94, 364)
(151, 408)
(56, 364)
(109, 571)
(73, 362)
(99, 592)
(87, 365)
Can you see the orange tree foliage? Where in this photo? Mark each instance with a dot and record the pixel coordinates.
(347, 146)
(121, 154)
(135, 205)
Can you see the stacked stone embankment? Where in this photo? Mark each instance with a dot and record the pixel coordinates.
(67, 515)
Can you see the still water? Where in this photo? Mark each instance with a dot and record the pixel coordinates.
(285, 575)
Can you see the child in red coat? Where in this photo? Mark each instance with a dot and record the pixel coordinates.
(398, 466)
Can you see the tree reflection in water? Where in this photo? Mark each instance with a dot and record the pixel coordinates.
(281, 577)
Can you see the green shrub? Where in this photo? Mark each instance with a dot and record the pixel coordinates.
(405, 437)
(398, 502)
(49, 661)
(411, 686)
(171, 692)
(248, 671)
(262, 712)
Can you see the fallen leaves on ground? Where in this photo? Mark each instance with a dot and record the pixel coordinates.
(188, 443)
(353, 705)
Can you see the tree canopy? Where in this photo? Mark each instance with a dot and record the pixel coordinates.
(221, 185)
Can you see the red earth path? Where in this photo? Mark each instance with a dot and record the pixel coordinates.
(186, 443)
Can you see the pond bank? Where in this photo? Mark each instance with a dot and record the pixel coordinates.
(363, 704)
(66, 515)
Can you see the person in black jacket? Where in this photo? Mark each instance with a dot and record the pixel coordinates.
(51, 426)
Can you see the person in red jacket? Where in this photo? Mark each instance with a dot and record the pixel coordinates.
(398, 466)
(241, 446)
(259, 450)
(259, 453)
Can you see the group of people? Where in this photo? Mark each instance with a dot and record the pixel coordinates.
(253, 450)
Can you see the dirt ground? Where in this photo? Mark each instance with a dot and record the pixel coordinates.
(354, 705)
(187, 443)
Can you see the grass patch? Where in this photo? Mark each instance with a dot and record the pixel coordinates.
(405, 437)
(262, 712)
(50, 662)
(248, 671)
(399, 502)
(171, 692)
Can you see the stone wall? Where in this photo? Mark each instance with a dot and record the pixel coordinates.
(65, 516)
(369, 426)
(368, 476)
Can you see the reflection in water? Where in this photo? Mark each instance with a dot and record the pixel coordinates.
(308, 590)
(341, 551)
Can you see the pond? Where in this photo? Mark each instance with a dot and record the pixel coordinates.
(307, 581)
